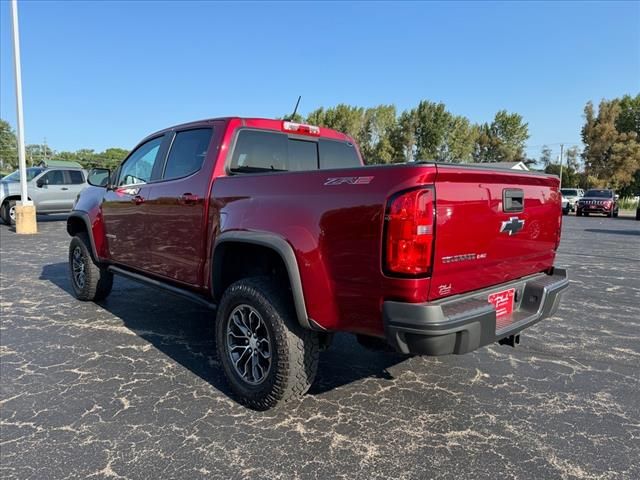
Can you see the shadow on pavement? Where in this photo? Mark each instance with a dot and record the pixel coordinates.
(614, 232)
(184, 331)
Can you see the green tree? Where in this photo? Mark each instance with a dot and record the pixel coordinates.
(511, 134)
(37, 153)
(375, 135)
(611, 157)
(8, 147)
(432, 124)
(572, 156)
(545, 156)
(403, 137)
(459, 140)
(629, 117)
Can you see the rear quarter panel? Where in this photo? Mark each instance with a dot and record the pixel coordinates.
(335, 231)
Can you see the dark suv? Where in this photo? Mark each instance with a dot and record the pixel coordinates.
(603, 201)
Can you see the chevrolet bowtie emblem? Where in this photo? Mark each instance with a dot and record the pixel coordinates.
(512, 226)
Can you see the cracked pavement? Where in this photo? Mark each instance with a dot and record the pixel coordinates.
(131, 388)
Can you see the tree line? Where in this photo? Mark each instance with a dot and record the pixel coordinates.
(429, 131)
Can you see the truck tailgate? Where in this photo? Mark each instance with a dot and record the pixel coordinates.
(492, 226)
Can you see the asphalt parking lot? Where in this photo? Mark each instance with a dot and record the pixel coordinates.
(131, 388)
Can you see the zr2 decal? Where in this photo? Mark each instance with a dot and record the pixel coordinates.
(348, 181)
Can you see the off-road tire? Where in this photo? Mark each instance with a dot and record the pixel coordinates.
(4, 212)
(294, 349)
(97, 280)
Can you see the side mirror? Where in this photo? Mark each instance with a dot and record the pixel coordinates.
(41, 182)
(99, 177)
(617, 197)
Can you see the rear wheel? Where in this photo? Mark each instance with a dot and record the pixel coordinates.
(8, 212)
(89, 281)
(267, 357)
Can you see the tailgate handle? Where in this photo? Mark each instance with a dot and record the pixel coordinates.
(512, 200)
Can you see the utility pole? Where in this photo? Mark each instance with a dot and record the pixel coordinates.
(561, 153)
(25, 211)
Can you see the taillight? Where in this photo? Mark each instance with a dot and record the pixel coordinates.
(300, 128)
(409, 232)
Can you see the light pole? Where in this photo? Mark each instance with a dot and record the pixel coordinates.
(25, 210)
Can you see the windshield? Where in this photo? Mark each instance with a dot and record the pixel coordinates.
(15, 176)
(599, 193)
(568, 192)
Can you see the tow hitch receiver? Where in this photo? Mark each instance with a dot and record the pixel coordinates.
(511, 340)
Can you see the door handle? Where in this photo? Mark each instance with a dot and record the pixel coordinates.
(188, 198)
(138, 200)
(64, 188)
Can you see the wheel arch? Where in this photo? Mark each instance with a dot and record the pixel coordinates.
(14, 197)
(78, 222)
(269, 244)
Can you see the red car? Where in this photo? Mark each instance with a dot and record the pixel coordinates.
(282, 229)
(601, 201)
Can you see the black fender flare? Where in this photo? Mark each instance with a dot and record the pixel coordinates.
(286, 253)
(84, 217)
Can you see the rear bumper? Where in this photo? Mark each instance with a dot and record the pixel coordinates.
(466, 322)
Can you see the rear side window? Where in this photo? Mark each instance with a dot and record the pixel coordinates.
(75, 177)
(338, 155)
(257, 151)
(261, 151)
(187, 154)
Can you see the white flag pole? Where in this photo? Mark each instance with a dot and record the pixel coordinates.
(25, 217)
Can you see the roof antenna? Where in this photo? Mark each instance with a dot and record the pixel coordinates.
(295, 110)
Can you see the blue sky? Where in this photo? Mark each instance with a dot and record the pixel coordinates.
(100, 74)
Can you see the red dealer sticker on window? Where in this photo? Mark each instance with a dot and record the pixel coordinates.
(503, 301)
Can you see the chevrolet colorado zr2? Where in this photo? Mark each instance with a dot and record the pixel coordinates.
(281, 229)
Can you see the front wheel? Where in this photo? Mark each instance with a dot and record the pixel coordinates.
(578, 213)
(8, 212)
(267, 357)
(89, 281)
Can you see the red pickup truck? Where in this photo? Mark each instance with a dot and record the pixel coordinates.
(281, 229)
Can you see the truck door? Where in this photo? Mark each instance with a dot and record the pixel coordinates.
(75, 183)
(124, 206)
(177, 205)
(51, 191)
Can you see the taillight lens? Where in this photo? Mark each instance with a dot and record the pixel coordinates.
(409, 227)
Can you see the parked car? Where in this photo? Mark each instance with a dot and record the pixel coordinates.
(572, 195)
(602, 201)
(281, 228)
(52, 190)
(638, 211)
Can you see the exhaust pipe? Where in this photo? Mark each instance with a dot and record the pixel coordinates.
(512, 340)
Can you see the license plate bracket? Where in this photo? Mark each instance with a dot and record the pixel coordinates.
(503, 302)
